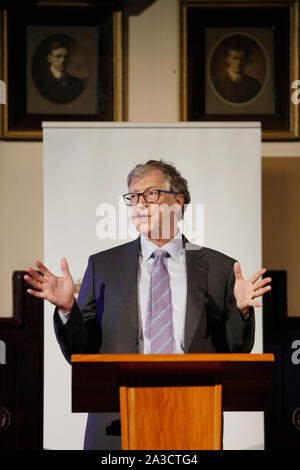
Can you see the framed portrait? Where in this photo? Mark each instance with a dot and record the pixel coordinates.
(61, 62)
(238, 62)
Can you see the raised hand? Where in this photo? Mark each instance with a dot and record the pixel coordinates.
(246, 290)
(57, 290)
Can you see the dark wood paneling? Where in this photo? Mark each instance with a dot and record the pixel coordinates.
(21, 377)
(281, 333)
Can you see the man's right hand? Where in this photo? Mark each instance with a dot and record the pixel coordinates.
(57, 290)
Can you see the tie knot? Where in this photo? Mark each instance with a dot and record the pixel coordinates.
(160, 253)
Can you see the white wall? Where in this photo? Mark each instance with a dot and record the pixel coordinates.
(153, 63)
(87, 165)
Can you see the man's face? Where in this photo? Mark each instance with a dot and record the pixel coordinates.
(236, 61)
(158, 219)
(59, 59)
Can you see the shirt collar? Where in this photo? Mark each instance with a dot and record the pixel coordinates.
(174, 246)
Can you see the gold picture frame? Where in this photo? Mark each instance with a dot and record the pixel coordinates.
(98, 30)
(273, 27)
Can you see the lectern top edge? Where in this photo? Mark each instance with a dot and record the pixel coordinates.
(230, 357)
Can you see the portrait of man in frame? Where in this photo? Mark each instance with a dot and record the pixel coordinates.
(50, 70)
(228, 67)
(62, 70)
(239, 71)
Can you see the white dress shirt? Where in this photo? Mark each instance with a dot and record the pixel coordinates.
(176, 267)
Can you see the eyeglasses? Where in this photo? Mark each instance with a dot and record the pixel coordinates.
(150, 195)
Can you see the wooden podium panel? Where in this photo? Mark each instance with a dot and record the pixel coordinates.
(170, 401)
(171, 418)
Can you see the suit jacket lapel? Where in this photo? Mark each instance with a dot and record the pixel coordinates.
(197, 272)
(128, 268)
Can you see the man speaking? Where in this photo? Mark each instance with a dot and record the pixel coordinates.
(157, 294)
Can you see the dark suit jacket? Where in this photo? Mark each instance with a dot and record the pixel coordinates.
(241, 92)
(105, 318)
(59, 91)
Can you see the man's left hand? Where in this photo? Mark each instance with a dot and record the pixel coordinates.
(246, 290)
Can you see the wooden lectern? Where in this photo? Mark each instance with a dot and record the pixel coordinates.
(170, 401)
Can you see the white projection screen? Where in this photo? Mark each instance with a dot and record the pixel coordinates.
(85, 171)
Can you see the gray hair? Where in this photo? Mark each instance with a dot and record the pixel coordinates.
(176, 182)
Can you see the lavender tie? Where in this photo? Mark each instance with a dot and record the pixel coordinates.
(159, 329)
